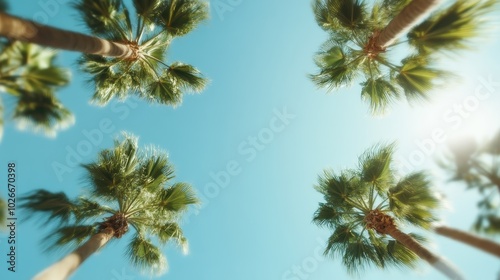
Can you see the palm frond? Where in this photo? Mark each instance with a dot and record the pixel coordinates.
(379, 93)
(375, 166)
(340, 14)
(412, 200)
(146, 256)
(163, 91)
(177, 197)
(42, 112)
(416, 78)
(69, 237)
(155, 171)
(186, 77)
(172, 231)
(180, 17)
(113, 170)
(105, 18)
(337, 69)
(328, 215)
(339, 188)
(146, 8)
(452, 29)
(90, 209)
(56, 206)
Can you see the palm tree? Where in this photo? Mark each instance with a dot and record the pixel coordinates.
(124, 58)
(478, 167)
(29, 75)
(360, 44)
(129, 189)
(366, 208)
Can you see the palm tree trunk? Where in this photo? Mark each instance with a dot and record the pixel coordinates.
(434, 260)
(470, 239)
(31, 32)
(65, 267)
(405, 20)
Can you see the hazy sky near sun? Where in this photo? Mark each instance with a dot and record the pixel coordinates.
(253, 144)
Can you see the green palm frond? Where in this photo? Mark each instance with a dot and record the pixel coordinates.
(453, 29)
(375, 166)
(105, 18)
(172, 231)
(180, 17)
(328, 215)
(56, 206)
(155, 171)
(146, 256)
(335, 15)
(416, 78)
(412, 200)
(177, 197)
(338, 189)
(186, 77)
(114, 169)
(28, 73)
(163, 91)
(90, 209)
(146, 8)
(379, 93)
(42, 112)
(68, 236)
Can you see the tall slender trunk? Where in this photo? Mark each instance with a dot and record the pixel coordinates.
(470, 239)
(434, 260)
(405, 20)
(31, 32)
(66, 266)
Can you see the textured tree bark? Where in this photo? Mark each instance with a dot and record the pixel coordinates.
(31, 32)
(470, 239)
(434, 260)
(405, 20)
(66, 266)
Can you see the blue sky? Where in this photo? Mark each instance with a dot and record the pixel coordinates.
(256, 224)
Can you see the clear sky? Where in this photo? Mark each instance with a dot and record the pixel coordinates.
(257, 224)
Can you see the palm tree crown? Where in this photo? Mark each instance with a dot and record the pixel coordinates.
(363, 205)
(352, 50)
(478, 166)
(128, 191)
(144, 73)
(29, 74)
